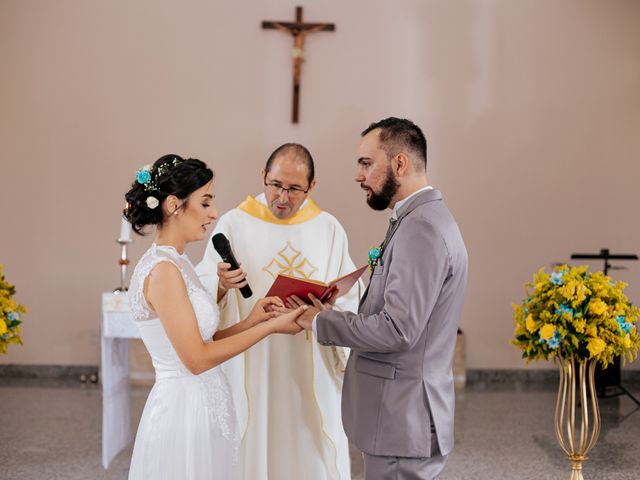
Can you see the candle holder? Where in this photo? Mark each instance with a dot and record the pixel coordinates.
(123, 261)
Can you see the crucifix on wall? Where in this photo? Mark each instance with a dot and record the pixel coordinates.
(298, 30)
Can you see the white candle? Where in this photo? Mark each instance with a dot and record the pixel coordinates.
(125, 230)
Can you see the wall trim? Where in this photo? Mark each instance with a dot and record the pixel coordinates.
(47, 371)
(522, 375)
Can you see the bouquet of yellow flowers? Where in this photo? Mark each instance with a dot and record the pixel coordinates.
(572, 312)
(10, 314)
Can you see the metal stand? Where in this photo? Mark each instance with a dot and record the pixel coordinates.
(606, 256)
(124, 263)
(609, 382)
(612, 375)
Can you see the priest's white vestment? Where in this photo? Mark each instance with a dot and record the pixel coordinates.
(287, 389)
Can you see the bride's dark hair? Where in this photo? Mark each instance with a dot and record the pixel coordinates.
(169, 175)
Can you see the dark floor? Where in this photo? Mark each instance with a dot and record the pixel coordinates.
(51, 430)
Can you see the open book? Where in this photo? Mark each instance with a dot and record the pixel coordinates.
(285, 286)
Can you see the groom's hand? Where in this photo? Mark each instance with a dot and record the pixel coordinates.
(306, 319)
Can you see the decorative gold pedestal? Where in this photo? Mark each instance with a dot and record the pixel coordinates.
(577, 433)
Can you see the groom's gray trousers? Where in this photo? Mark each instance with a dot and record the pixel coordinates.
(405, 468)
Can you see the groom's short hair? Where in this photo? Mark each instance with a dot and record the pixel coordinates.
(301, 153)
(400, 134)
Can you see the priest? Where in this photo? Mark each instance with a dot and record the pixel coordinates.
(287, 389)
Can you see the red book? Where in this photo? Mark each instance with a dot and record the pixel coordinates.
(285, 286)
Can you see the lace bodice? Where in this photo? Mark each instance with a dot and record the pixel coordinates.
(166, 361)
(205, 309)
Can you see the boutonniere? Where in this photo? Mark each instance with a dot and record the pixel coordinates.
(374, 255)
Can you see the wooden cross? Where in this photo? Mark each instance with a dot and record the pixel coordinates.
(299, 30)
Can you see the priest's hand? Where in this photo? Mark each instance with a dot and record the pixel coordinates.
(229, 279)
(264, 309)
(328, 302)
(294, 301)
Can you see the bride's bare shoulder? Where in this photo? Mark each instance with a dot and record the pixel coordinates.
(164, 280)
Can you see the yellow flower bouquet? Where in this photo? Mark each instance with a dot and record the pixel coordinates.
(572, 312)
(10, 315)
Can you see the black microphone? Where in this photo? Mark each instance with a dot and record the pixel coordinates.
(222, 246)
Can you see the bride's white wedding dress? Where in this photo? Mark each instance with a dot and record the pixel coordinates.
(188, 427)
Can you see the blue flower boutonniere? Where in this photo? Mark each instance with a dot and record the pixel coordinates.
(375, 254)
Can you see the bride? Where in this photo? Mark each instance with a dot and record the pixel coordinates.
(188, 427)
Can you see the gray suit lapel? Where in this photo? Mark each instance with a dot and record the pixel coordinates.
(420, 199)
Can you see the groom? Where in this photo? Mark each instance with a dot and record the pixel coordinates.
(398, 397)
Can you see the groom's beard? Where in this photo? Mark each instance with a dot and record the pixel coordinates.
(381, 200)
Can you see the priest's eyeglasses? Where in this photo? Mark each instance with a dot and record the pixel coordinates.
(277, 187)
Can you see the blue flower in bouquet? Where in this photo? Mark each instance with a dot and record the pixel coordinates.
(143, 177)
(554, 342)
(551, 339)
(13, 316)
(625, 326)
(556, 278)
(374, 257)
(564, 309)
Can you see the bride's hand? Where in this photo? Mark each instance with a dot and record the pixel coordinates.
(286, 322)
(265, 309)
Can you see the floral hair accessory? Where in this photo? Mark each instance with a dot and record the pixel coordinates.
(145, 177)
(374, 255)
(152, 202)
(164, 168)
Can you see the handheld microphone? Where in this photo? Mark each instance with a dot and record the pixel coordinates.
(222, 246)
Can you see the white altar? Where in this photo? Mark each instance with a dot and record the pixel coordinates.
(117, 328)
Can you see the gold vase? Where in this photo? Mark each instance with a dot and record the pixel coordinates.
(577, 418)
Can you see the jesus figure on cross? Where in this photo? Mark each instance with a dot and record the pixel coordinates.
(299, 31)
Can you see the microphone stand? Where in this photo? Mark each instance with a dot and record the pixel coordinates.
(612, 375)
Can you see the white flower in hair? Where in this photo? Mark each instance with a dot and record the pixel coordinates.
(152, 202)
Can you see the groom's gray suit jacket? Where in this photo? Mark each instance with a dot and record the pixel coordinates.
(398, 380)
